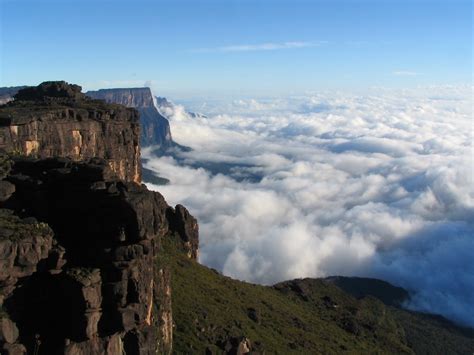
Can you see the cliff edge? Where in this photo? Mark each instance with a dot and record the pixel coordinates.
(55, 119)
(155, 129)
(79, 238)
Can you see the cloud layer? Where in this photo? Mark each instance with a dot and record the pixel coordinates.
(378, 185)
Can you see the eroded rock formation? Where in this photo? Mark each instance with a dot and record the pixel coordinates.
(94, 286)
(187, 228)
(79, 238)
(56, 119)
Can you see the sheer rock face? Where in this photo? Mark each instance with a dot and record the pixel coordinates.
(56, 119)
(95, 287)
(130, 97)
(79, 238)
(155, 128)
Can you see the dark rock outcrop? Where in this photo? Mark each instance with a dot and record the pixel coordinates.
(6, 190)
(94, 287)
(237, 346)
(56, 119)
(155, 128)
(79, 238)
(186, 226)
(24, 243)
(51, 91)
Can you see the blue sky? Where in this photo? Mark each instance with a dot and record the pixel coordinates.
(240, 47)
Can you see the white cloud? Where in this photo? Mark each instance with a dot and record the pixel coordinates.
(378, 185)
(269, 46)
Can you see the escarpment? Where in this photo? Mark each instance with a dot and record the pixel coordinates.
(79, 238)
(56, 119)
(155, 129)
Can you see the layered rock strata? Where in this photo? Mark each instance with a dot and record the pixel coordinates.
(56, 119)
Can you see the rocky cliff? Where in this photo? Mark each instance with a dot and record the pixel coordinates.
(155, 127)
(79, 241)
(56, 119)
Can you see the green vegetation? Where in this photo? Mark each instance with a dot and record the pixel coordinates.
(297, 317)
(13, 227)
(429, 334)
(5, 164)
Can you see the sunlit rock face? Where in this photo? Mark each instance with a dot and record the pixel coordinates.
(56, 119)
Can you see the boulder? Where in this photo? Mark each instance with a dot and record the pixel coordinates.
(8, 330)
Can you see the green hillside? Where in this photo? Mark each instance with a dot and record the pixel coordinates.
(212, 313)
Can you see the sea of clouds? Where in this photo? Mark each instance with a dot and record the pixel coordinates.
(376, 185)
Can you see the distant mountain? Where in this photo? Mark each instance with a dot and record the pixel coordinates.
(7, 93)
(155, 129)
